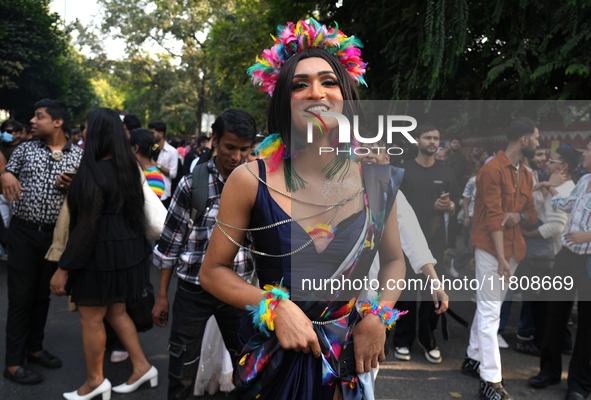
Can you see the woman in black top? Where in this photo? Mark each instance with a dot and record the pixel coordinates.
(106, 258)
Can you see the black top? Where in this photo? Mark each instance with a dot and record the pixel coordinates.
(7, 149)
(422, 187)
(101, 238)
(459, 164)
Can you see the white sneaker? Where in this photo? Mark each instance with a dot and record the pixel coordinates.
(502, 342)
(402, 353)
(433, 356)
(452, 270)
(119, 356)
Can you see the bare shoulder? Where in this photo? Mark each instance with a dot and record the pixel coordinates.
(243, 182)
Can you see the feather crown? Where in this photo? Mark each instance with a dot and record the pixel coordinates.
(293, 38)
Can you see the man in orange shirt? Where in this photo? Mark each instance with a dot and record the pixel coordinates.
(504, 202)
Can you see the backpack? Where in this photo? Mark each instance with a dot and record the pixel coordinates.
(199, 195)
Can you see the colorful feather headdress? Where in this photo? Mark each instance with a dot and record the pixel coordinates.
(293, 38)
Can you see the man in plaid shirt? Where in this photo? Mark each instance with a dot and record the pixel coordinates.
(234, 132)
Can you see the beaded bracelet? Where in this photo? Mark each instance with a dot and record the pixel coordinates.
(264, 314)
(387, 314)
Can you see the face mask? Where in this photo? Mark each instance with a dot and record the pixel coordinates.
(5, 137)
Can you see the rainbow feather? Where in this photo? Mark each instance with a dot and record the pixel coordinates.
(293, 38)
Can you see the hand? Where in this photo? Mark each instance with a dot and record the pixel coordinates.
(443, 205)
(369, 336)
(466, 222)
(57, 285)
(11, 187)
(511, 219)
(294, 329)
(557, 178)
(440, 299)
(504, 269)
(574, 238)
(63, 182)
(160, 311)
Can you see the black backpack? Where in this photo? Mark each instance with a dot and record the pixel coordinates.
(199, 195)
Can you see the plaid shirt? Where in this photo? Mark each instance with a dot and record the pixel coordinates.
(168, 252)
(578, 203)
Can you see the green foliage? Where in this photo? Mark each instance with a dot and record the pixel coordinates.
(37, 61)
(455, 49)
(427, 50)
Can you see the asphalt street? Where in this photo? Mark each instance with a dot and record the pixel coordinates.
(400, 380)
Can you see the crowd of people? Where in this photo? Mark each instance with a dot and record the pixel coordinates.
(247, 215)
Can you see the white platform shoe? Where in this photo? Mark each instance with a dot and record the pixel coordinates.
(104, 389)
(151, 375)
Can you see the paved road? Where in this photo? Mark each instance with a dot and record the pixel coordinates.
(416, 379)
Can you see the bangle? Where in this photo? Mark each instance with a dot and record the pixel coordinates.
(387, 314)
(264, 313)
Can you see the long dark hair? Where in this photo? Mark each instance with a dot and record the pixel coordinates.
(105, 137)
(145, 141)
(279, 120)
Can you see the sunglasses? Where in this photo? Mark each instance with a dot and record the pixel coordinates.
(555, 161)
(8, 130)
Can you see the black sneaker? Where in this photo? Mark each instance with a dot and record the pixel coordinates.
(471, 367)
(493, 391)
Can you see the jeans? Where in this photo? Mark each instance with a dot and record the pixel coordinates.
(191, 309)
(28, 291)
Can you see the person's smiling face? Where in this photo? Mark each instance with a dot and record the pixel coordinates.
(316, 89)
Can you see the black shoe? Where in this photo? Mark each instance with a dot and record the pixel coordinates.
(541, 381)
(571, 395)
(24, 375)
(493, 391)
(529, 348)
(45, 359)
(471, 367)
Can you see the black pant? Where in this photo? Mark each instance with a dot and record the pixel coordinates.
(192, 308)
(28, 290)
(405, 329)
(579, 373)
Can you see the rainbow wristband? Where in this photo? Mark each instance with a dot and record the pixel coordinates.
(387, 314)
(264, 314)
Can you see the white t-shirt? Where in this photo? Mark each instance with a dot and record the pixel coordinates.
(169, 159)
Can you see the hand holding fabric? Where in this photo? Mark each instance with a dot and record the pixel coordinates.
(294, 329)
(369, 336)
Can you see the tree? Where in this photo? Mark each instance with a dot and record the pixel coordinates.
(158, 23)
(37, 61)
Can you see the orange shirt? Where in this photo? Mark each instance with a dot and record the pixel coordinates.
(498, 192)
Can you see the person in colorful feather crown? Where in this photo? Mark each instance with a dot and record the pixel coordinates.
(318, 217)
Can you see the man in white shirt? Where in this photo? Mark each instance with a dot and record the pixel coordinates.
(168, 159)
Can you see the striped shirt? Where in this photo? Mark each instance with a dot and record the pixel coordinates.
(578, 203)
(155, 180)
(187, 260)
